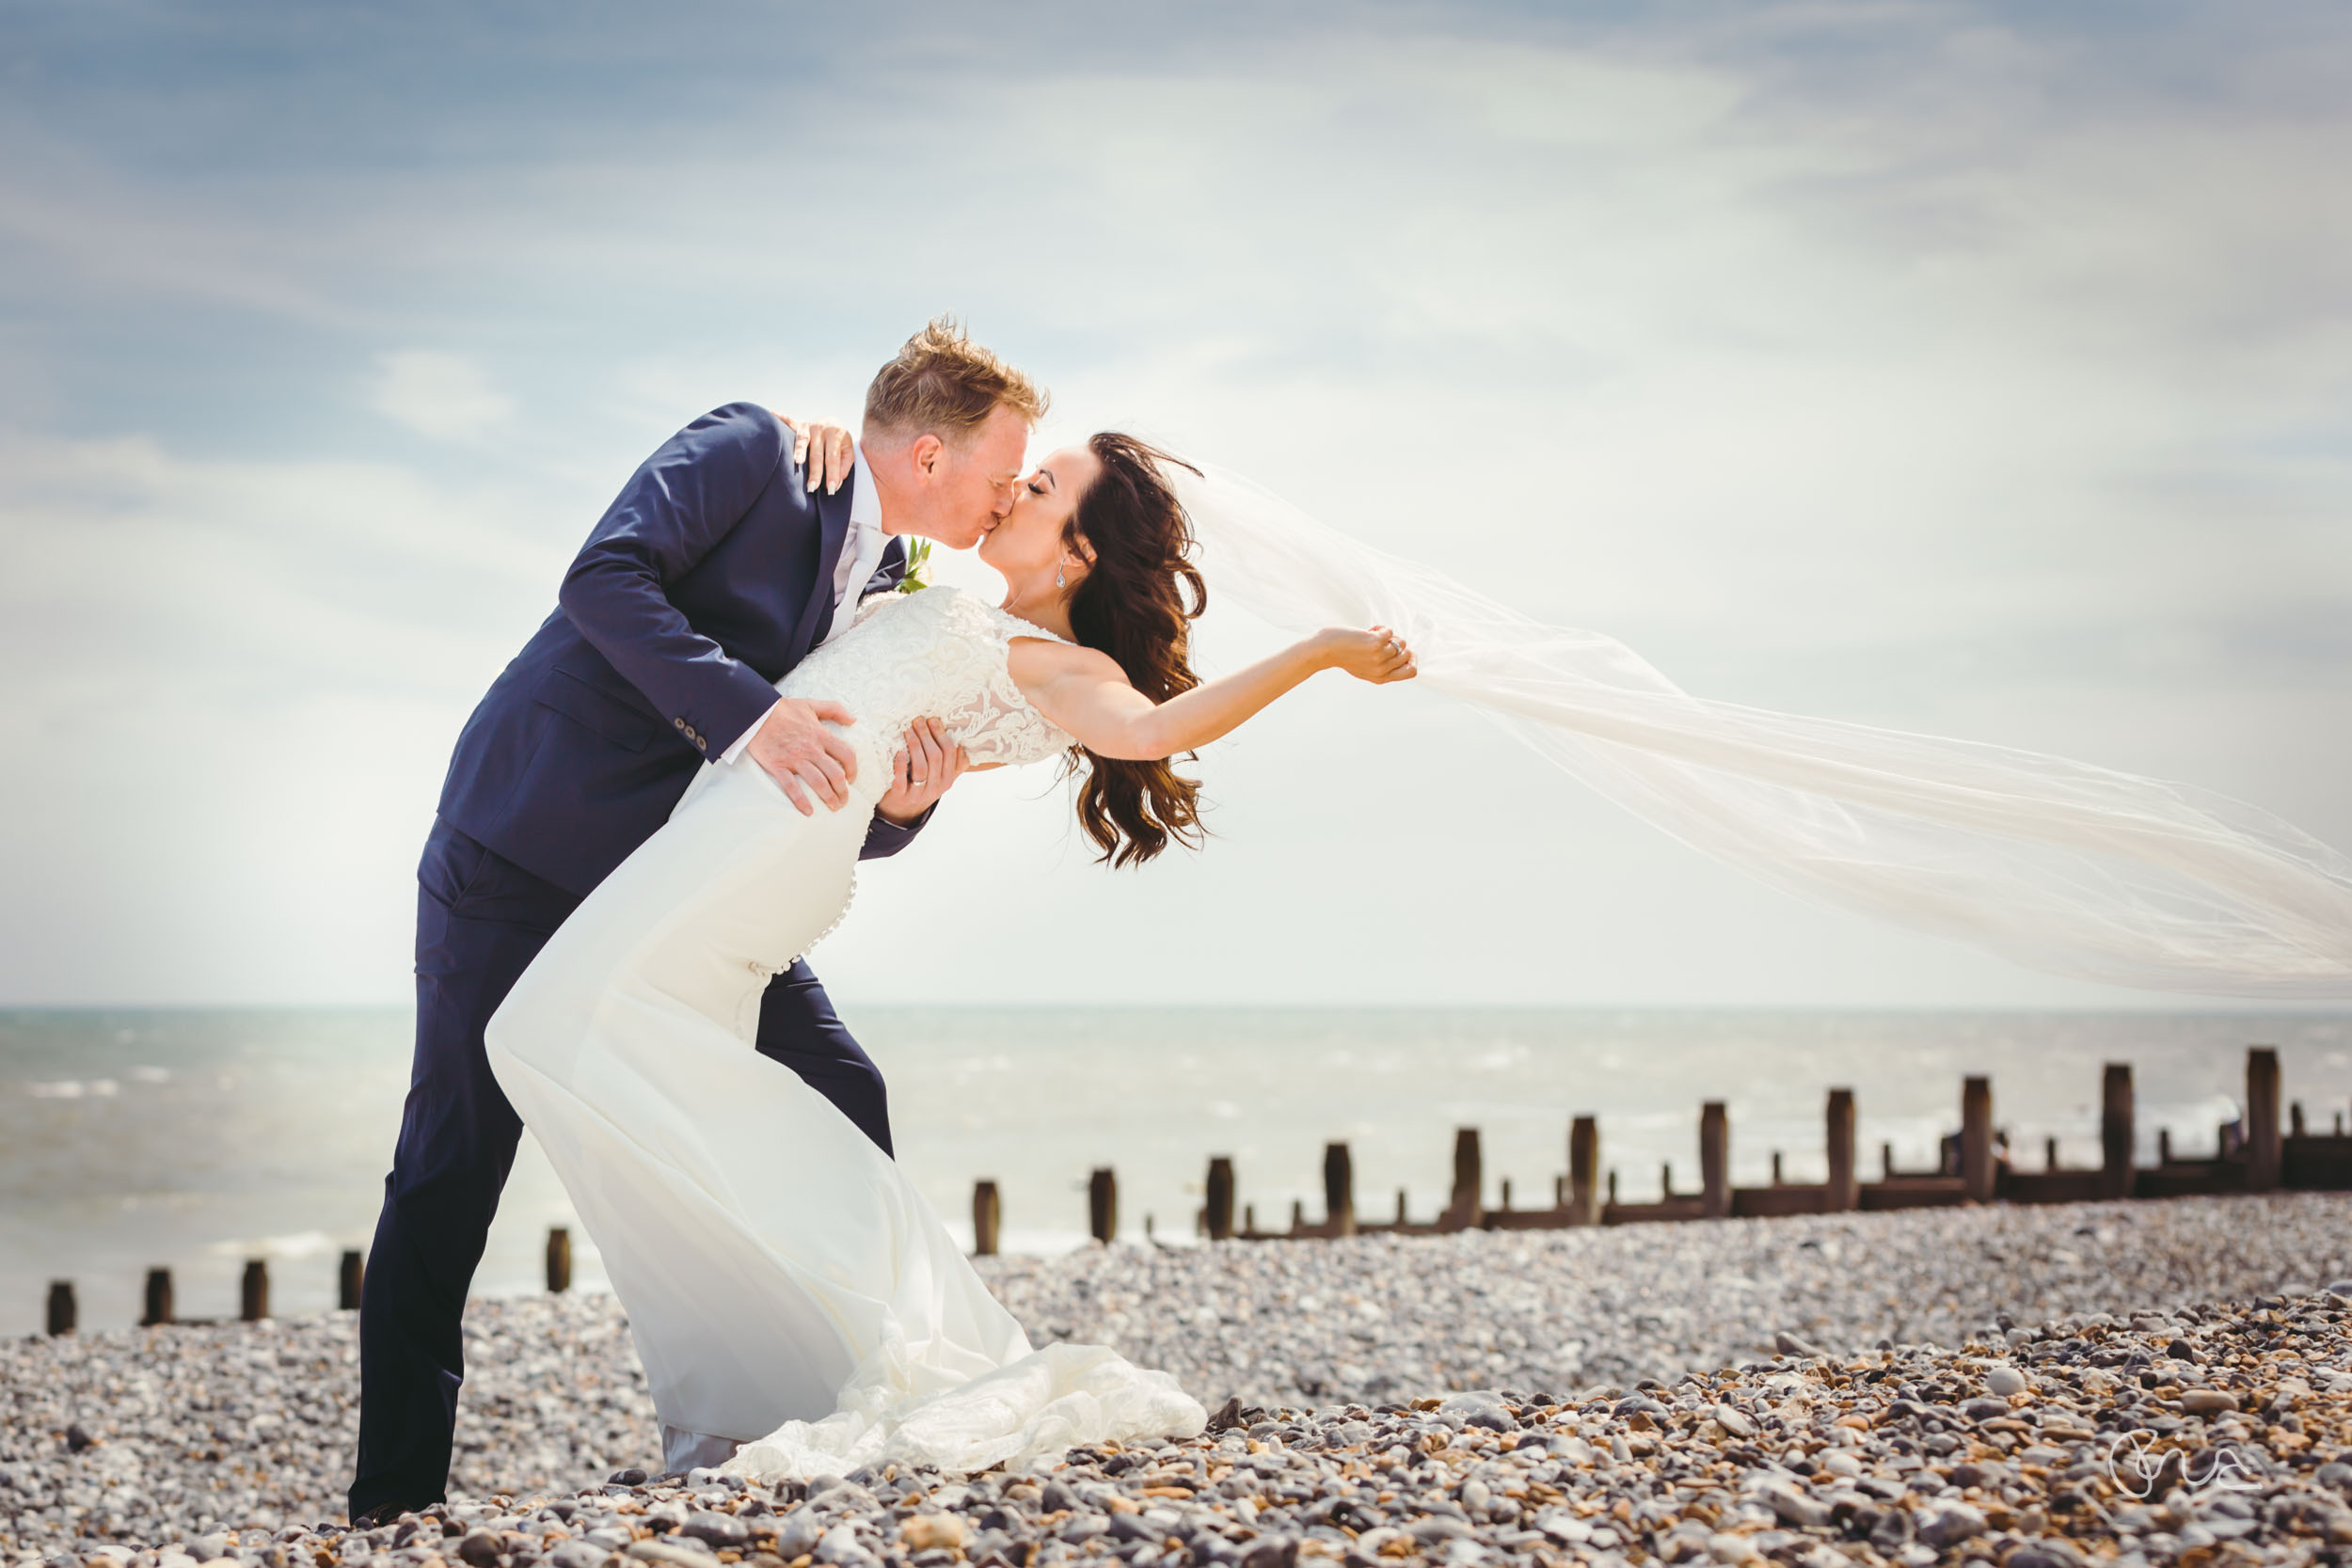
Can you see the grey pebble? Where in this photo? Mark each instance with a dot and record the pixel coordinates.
(1733, 1421)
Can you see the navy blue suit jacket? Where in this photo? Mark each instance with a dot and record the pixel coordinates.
(708, 577)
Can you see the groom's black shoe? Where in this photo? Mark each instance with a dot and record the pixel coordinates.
(384, 1513)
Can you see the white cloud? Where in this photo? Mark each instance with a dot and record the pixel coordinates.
(447, 397)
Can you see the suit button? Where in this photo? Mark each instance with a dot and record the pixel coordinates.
(677, 724)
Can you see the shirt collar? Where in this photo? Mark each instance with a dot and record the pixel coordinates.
(864, 501)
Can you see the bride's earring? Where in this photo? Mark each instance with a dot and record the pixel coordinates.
(1061, 577)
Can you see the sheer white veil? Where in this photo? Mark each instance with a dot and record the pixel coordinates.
(2055, 864)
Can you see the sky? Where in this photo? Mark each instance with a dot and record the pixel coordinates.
(1977, 370)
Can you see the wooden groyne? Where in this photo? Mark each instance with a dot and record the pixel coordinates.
(2255, 1153)
(63, 1312)
(2261, 1151)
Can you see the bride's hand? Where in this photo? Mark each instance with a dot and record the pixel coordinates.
(825, 447)
(1378, 655)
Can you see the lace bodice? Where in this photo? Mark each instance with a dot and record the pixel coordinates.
(938, 652)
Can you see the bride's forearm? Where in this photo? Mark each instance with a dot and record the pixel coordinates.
(1215, 708)
(1090, 698)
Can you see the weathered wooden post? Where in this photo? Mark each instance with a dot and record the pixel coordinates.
(2295, 1118)
(1714, 1161)
(1221, 1198)
(1338, 1190)
(559, 1260)
(1886, 1162)
(158, 1307)
(1400, 1208)
(253, 1293)
(1975, 1139)
(1249, 1219)
(987, 1212)
(1507, 1195)
(1776, 1167)
(1845, 1187)
(2115, 1131)
(1466, 1207)
(1298, 1215)
(350, 1280)
(2049, 1155)
(2163, 1146)
(1583, 1171)
(1559, 1192)
(1612, 1183)
(2262, 1118)
(1103, 1206)
(62, 1311)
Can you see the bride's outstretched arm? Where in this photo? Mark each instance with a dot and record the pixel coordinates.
(1085, 692)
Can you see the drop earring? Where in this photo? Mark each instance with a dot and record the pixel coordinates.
(1061, 579)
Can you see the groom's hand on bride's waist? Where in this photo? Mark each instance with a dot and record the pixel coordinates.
(794, 746)
(921, 772)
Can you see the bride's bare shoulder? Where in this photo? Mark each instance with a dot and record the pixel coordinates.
(1034, 661)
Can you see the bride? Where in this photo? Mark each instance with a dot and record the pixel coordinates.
(786, 1286)
(790, 1289)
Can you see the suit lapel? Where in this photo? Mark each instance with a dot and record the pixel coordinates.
(891, 570)
(832, 520)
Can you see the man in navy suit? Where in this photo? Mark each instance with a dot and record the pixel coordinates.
(717, 569)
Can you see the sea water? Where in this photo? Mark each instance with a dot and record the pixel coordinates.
(197, 1139)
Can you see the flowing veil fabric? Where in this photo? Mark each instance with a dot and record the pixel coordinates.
(2055, 864)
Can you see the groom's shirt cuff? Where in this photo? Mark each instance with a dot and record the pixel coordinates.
(745, 738)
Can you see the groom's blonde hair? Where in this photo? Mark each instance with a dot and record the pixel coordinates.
(945, 384)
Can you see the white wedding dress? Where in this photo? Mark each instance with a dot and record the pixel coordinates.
(786, 1286)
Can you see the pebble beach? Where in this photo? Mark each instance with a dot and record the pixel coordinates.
(2031, 1387)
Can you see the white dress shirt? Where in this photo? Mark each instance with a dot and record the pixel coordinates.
(861, 557)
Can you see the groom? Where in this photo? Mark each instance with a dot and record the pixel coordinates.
(717, 568)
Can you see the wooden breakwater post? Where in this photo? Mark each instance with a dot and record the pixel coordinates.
(156, 1310)
(1975, 1139)
(2117, 1129)
(1583, 1171)
(350, 1280)
(62, 1312)
(559, 1260)
(1220, 1198)
(1714, 1161)
(1102, 1205)
(1844, 1189)
(1466, 1208)
(1339, 1191)
(987, 1211)
(2262, 1118)
(253, 1293)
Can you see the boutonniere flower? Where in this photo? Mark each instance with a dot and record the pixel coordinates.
(918, 563)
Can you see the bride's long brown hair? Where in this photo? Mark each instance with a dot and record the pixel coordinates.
(1137, 603)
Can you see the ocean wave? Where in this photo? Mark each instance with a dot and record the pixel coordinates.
(74, 1088)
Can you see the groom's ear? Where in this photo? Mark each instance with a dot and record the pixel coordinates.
(927, 451)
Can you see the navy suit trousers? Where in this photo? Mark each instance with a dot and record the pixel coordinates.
(481, 919)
